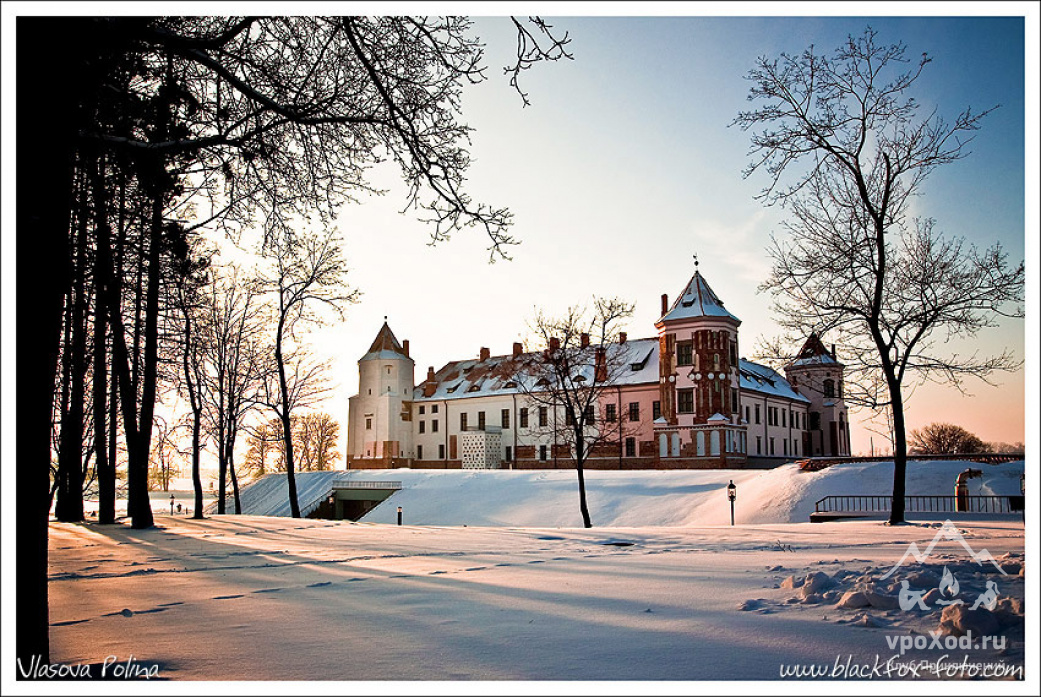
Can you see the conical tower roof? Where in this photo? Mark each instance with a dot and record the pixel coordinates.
(697, 300)
(813, 352)
(385, 346)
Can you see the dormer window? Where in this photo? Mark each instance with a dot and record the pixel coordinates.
(474, 388)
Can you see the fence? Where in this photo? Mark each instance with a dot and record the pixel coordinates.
(918, 504)
(365, 484)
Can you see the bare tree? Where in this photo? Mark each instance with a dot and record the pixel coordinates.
(317, 433)
(845, 151)
(307, 273)
(165, 457)
(944, 439)
(237, 358)
(573, 374)
(314, 444)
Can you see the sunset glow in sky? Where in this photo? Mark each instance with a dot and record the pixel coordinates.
(624, 166)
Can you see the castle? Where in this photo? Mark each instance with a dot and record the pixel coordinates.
(683, 399)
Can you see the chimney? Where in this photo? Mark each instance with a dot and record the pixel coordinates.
(664, 303)
(585, 339)
(554, 343)
(518, 349)
(485, 353)
(833, 352)
(404, 347)
(430, 386)
(601, 365)
(622, 337)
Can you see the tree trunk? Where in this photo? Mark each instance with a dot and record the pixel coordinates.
(69, 508)
(232, 432)
(580, 457)
(138, 503)
(287, 429)
(106, 477)
(48, 84)
(896, 514)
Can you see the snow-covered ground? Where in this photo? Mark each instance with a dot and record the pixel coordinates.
(500, 584)
(549, 498)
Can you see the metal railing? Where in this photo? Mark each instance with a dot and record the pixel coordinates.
(365, 484)
(918, 504)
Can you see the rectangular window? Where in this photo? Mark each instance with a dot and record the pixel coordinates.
(422, 426)
(611, 414)
(419, 451)
(590, 414)
(784, 422)
(542, 453)
(630, 447)
(734, 408)
(509, 453)
(441, 451)
(480, 421)
(684, 353)
(422, 409)
(656, 410)
(568, 419)
(433, 408)
(771, 445)
(463, 417)
(543, 417)
(758, 445)
(506, 419)
(757, 413)
(733, 354)
(747, 414)
(785, 444)
(685, 401)
(524, 417)
(634, 411)
(433, 425)
(368, 424)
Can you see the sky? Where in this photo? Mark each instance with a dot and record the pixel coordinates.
(624, 166)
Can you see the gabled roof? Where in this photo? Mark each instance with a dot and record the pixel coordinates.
(385, 346)
(501, 375)
(759, 378)
(697, 300)
(813, 352)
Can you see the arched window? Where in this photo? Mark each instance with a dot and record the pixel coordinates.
(829, 388)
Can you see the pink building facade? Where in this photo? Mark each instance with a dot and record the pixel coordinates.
(681, 399)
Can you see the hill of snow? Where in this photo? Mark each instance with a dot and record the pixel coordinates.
(549, 498)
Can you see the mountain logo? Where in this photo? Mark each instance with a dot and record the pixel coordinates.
(946, 532)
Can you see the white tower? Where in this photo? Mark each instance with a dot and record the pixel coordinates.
(380, 416)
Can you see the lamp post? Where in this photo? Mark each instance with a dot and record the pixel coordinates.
(732, 495)
(171, 503)
(399, 515)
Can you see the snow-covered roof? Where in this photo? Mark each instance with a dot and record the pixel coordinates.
(697, 300)
(637, 361)
(384, 347)
(759, 378)
(269, 495)
(813, 352)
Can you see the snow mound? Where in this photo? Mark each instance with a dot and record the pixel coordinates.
(549, 498)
